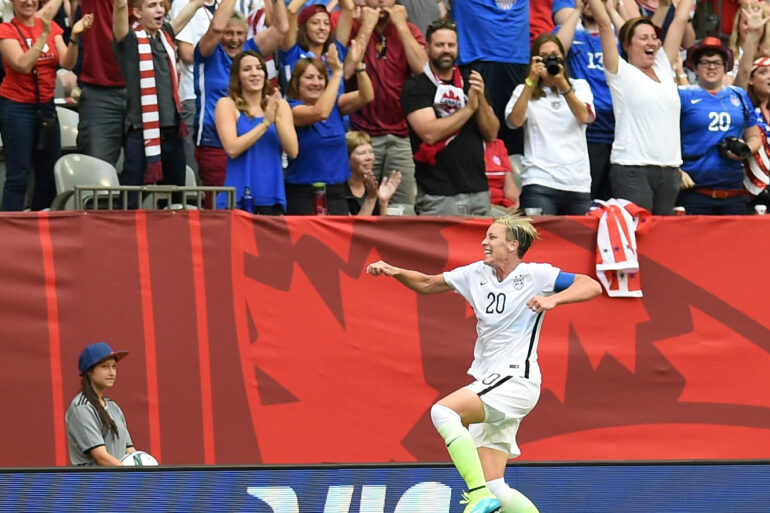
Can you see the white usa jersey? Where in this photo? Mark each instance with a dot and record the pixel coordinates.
(508, 331)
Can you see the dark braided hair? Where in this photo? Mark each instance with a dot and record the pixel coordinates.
(88, 392)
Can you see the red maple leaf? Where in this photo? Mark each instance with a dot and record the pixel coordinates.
(702, 357)
(318, 381)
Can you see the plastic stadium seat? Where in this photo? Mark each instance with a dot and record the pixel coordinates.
(189, 178)
(78, 169)
(68, 123)
(189, 181)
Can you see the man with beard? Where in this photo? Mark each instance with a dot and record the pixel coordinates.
(448, 130)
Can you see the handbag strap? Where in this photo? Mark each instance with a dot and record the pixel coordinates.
(34, 70)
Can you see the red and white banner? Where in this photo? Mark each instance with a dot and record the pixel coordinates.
(262, 340)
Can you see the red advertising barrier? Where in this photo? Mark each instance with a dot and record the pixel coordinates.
(262, 340)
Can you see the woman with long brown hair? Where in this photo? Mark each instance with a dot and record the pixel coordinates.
(96, 428)
(254, 124)
(554, 111)
(213, 57)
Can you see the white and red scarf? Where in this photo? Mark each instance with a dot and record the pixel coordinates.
(449, 98)
(150, 116)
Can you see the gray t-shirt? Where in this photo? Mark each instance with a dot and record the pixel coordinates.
(85, 431)
(127, 53)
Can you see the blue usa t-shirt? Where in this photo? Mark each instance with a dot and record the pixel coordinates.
(323, 151)
(211, 78)
(705, 120)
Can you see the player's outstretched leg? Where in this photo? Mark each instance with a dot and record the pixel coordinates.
(512, 501)
(463, 452)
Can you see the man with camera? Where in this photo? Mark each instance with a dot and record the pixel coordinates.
(719, 130)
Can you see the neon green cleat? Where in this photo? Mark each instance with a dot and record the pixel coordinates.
(483, 502)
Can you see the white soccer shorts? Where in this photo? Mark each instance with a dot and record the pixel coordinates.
(507, 400)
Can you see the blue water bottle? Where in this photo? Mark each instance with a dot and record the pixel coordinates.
(247, 201)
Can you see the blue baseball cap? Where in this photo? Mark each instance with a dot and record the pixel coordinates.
(97, 353)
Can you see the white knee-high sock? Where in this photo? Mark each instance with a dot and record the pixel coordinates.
(513, 501)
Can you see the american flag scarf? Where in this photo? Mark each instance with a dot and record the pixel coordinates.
(150, 117)
(757, 168)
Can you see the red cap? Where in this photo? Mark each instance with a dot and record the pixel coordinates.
(712, 44)
(309, 11)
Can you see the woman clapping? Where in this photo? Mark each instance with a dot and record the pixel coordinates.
(254, 125)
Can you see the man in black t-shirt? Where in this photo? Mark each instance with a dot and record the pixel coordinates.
(447, 130)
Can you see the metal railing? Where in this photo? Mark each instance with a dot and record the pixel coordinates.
(150, 197)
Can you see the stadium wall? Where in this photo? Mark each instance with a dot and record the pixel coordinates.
(262, 340)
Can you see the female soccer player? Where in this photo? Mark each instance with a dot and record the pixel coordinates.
(509, 297)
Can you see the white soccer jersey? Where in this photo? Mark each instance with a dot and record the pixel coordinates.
(508, 332)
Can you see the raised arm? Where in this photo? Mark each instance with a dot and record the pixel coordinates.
(213, 35)
(415, 280)
(284, 124)
(755, 24)
(68, 54)
(415, 53)
(607, 34)
(185, 15)
(344, 22)
(628, 10)
(305, 115)
(354, 100)
(566, 32)
(24, 60)
(618, 18)
(519, 110)
(269, 39)
(676, 30)
(119, 20)
(368, 19)
(290, 39)
(582, 289)
(358, 45)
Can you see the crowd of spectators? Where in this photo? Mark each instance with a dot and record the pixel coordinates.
(396, 108)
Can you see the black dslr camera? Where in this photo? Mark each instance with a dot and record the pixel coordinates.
(552, 64)
(734, 146)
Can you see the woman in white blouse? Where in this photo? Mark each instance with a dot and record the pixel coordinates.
(646, 153)
(554, 110)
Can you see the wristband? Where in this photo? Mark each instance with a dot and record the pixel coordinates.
(682, 75)
(529, 83)
(565, 93)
